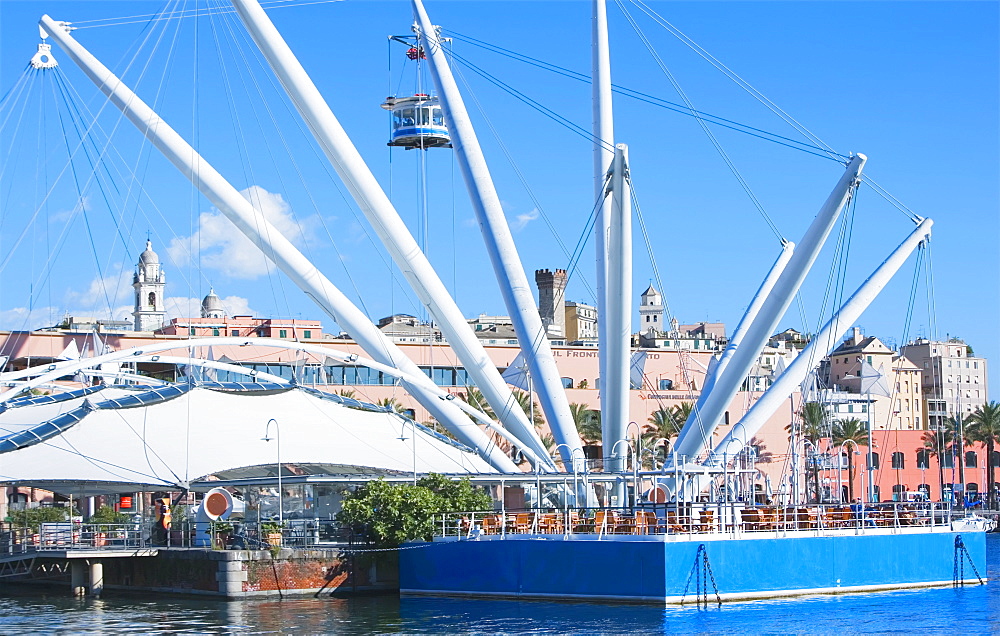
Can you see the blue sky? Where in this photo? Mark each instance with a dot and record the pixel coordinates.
(913, 85)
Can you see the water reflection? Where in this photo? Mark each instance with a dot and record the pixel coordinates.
(973, 610)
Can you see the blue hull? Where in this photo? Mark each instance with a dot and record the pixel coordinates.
(663, 569)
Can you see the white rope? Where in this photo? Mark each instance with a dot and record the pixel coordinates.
(190, 13)
(694, 46)
(701, 122)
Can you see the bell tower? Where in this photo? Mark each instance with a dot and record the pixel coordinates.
(148, 283)
(651, 312)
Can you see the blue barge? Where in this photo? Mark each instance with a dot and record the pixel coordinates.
(675, 568)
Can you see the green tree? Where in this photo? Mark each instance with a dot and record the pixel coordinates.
(524, 401)
(587, 421)
(33, 518)
(392, 403)
(813, 427)
(456, 495)
(393, 513)
(939, 442)
(107, 514)
(681, 413)
(850, 430)
(984, 427)
(475, 398)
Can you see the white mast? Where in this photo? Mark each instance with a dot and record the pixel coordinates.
(697, 433)
(514, 285)
(395, 236)
(615, 396)
(821, 346)
(275, 246)
(604, 154)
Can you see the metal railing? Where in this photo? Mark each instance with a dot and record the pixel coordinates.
(732, 518)
(71, 536)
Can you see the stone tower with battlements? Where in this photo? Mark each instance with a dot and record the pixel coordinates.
(552, 300)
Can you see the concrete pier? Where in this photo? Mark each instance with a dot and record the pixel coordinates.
(237, 574)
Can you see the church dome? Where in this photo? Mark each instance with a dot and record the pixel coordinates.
(211, 306)
(149, 257)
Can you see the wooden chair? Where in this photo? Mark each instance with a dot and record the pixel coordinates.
(522, 522)
(491, 524)
(707, 521)
(605, 522)
(675, 524)
(651, 523)
(768, 518)
(751, 519)
(626, 524)
(582, 524)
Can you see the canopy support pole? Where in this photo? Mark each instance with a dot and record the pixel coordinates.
(273, 244)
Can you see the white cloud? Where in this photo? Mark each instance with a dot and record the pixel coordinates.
(19, 318)
(115, 289)
(523, 219)
(224, 248)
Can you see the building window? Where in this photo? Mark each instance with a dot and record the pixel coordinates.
(191, 331)
(923, 459)
(215, 331)
(567, 383)
(234, 332)
(307, 334)
(897, 461)
(873, 460)
(995, 459)
(667, 385)
(971, 461)
(899, 492)
(948, 459)
(282, 333)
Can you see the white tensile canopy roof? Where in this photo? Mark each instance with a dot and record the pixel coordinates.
(167, 437)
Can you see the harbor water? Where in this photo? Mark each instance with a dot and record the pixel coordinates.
(969, 610)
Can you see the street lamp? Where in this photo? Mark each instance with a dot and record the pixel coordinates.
(402, 438)
(850, 479)
(576, 473)
(277, 438)
(653, 446)
(614, 454)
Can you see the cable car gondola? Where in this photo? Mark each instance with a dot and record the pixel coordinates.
(417, 122)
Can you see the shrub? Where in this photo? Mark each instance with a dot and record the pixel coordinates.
(33, 518)
(394, 513)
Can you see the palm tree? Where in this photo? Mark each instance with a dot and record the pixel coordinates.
(940, 443)
(850, 430)
(392, 403)
(524, 401)
(587, 421)
(666, 424)
(681, 413)
(984, 427)
(475, 398)
(764, 456)
(813, 427)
